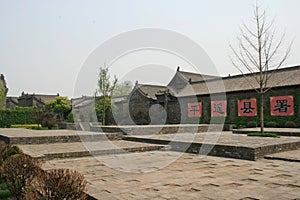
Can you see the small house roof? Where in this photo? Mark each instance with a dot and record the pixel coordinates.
(150, 90)
(13, 100)
(44, 97)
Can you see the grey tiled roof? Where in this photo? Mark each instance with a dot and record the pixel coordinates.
(150, 90)
(82, 101)
(13, 99)
(196, 77)
(43, 97)
(282, 77)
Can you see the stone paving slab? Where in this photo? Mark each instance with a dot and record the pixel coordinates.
(188, 176)
(80, 149)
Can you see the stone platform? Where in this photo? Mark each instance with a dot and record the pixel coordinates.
(53, 144)
(68, 143)
(225, 144)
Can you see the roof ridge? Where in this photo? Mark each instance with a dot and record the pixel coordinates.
(248, 74)
(272, 70)
(196, 73)
(151, 85)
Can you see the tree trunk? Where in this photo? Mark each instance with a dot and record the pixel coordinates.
(103, 116)
(261, 112)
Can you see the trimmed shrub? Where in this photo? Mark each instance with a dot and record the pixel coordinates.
(28, 126)
(18, 171)
(271, 124)
(7, 150)
(49, 120)
(31, 193)
(59, 184)
(19, 115)
(290, 124)
(70, 118)
(251, 124)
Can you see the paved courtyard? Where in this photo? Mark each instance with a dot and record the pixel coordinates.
(139, 171)
(189, 176)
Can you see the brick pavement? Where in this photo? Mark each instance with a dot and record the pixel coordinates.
(189, 176)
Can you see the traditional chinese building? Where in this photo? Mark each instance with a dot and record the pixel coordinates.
(191, 96)
(11, 102)
(29, 100)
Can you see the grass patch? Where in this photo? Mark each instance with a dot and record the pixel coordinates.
(263, 135)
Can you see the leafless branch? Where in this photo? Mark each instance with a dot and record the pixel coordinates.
(258, 50)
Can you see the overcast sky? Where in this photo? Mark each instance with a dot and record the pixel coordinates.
(44, 44)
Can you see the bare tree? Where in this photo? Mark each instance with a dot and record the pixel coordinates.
(260, 54)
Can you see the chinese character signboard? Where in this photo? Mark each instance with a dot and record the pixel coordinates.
(195, 109)
(218, 108)
(247, 107)
(282, 105)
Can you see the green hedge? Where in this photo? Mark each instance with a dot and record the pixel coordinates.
(16, 116)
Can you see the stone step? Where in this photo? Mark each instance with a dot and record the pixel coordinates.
(292, 132)
(25, 136)
(79, 149)
(226, 144)
(158, 129)
(291, 156)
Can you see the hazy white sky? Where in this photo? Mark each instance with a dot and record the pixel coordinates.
(43, 44)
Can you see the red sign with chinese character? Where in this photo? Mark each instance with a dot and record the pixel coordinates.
(195, 109)
(247, 107)
(282, 105)
(219, 108)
